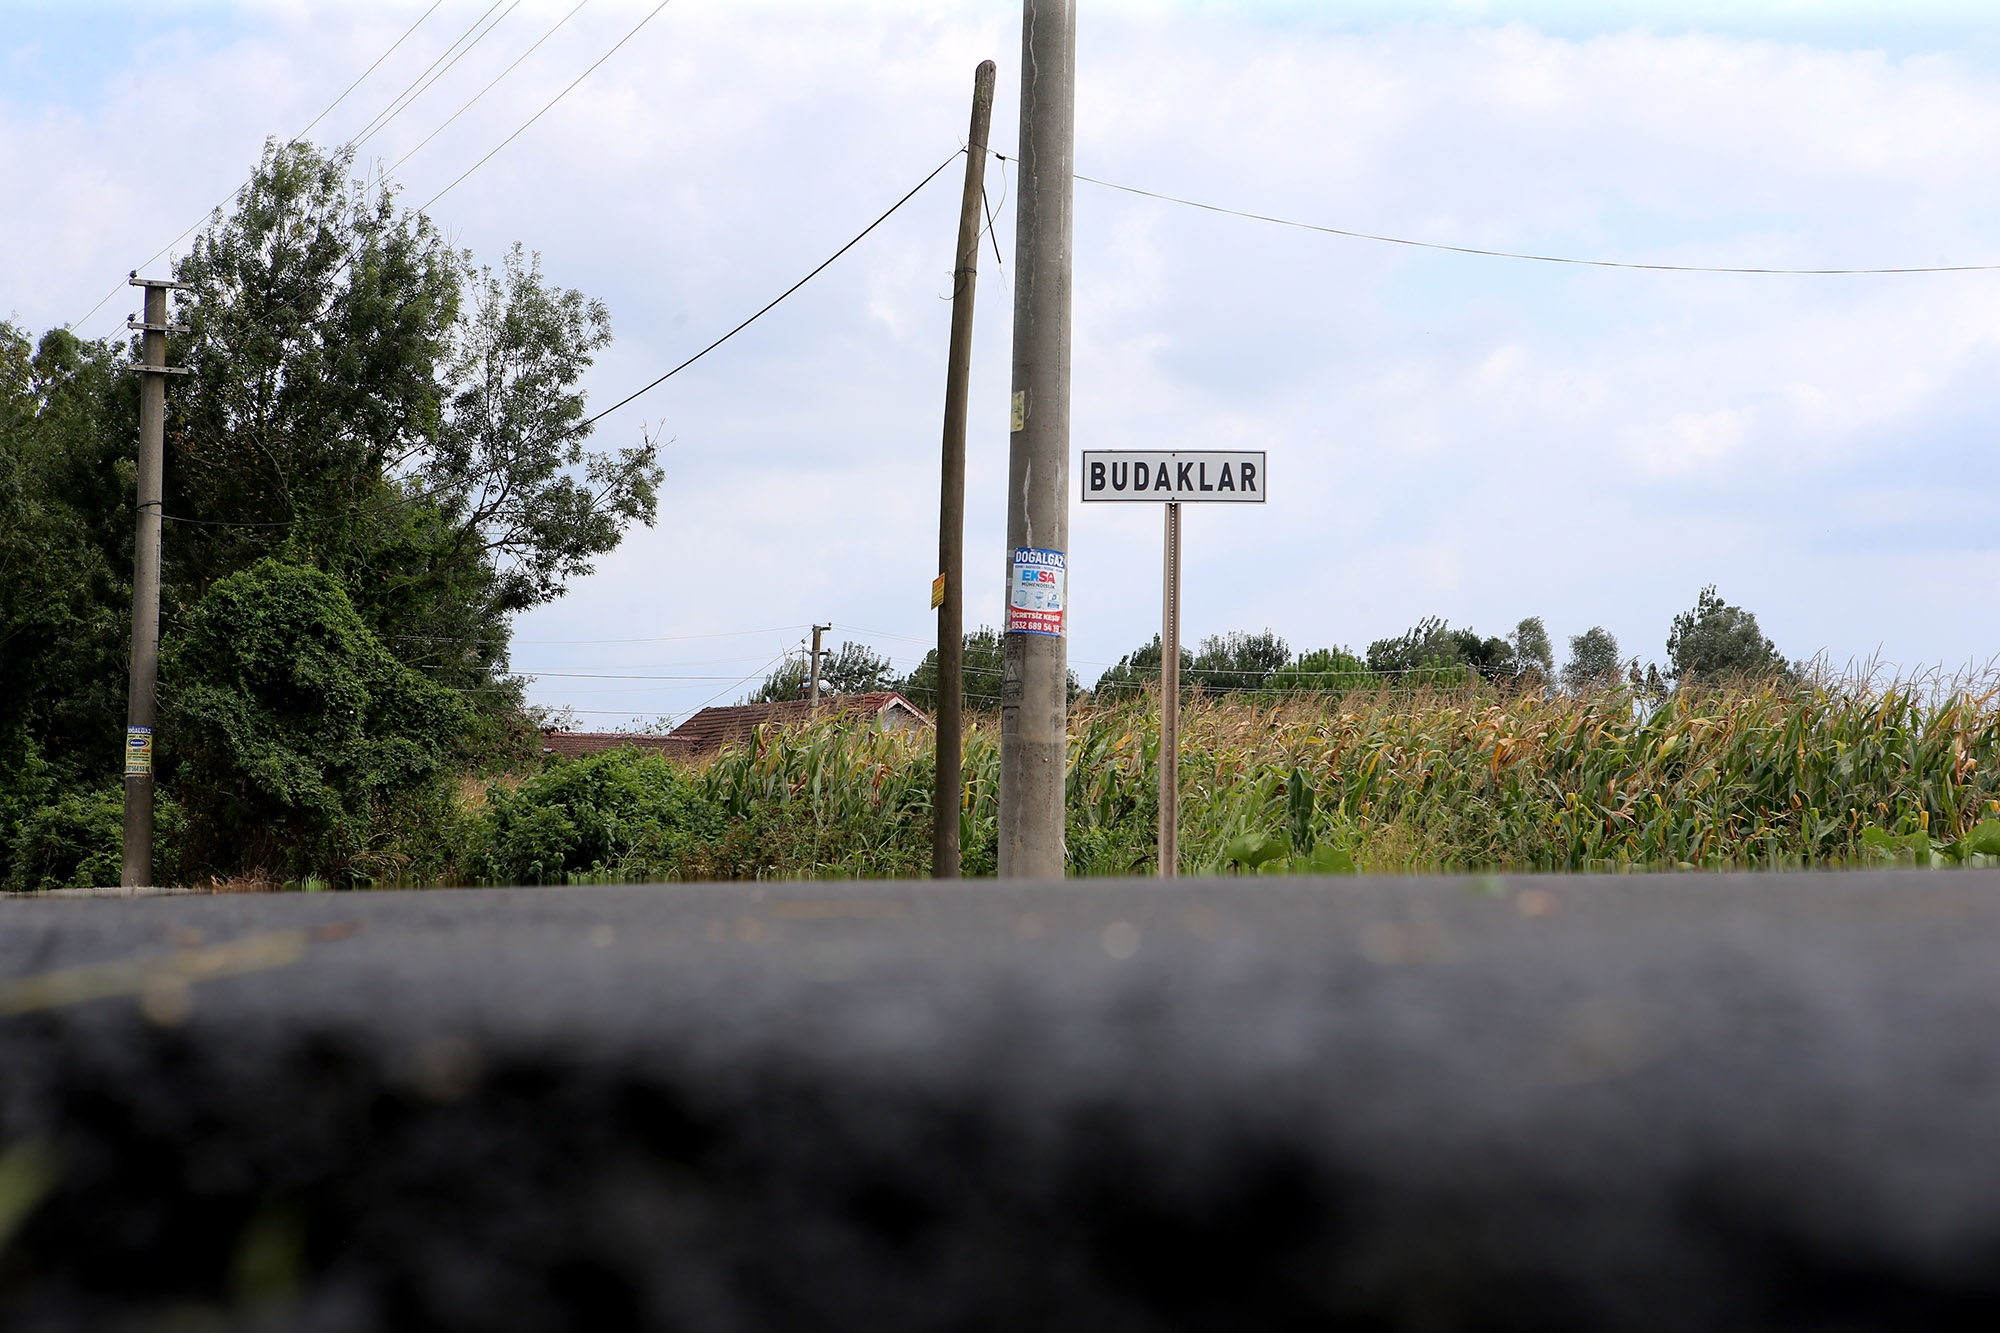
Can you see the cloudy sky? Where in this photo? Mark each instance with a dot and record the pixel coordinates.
(1480, 439)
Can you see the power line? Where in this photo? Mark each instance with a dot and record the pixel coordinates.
(356, 84)
(671, 638)
(760, 671)
(295, 138)
(827, 263)
(606, 675)
(489, 87)
(552, 101)
(409, 96)
(590, 421)
(1536, 258)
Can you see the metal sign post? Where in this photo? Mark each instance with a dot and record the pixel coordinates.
(1202, 477)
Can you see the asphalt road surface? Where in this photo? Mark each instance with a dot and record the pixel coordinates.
(1672, 1103)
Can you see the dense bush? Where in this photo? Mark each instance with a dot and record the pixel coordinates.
(620, 813)
(72, 843)
(289, 727)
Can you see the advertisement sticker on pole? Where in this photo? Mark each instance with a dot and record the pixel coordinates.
(1036, 591)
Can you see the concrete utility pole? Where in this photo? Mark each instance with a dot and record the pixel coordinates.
(1033, 693)
(951, 497)
(814, 687)
(137, 862)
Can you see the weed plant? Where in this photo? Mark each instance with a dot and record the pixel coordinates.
(1791, 773)
(1788, 774)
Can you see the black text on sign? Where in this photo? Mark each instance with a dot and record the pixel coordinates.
(1207, 476)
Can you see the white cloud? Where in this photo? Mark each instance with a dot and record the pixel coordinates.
(1474, 438)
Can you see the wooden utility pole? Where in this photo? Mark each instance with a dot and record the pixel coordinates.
(1170, 701)
(951, 493)
(137, 862)
(814, 687)
(1034, 701)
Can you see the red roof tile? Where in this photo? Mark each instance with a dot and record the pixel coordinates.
(712, 728)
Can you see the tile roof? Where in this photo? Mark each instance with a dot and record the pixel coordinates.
(712, 728)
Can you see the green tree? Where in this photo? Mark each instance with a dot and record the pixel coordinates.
(1715, 641)
(1236, 663)
(65, 542)
(1429, 652)
(981, 656)
(364, 402)
(1322, 671)
(854, 669)
(1138, 669)
(983, 659)
(1593, 661)
(1531, 650)
(290, 729)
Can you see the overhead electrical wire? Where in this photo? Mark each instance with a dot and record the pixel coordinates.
(551, 103)
(423, 84)
(824, 265)
(1538, 258)
(294, 139)
(590, 421)
(489, 87)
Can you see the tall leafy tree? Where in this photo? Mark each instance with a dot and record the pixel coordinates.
(1715, 641)
(1532, 652)
(365, 402)
(1593, 661)
(65, 554)
(982, 659)
(854, 669)
(1432, 652)
(1236, 662)
(1322, 671)
(1138, 669)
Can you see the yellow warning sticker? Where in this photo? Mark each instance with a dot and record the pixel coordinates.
(1020, 409)
(937, 592)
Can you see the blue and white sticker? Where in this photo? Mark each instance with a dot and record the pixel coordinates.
(1037, 589)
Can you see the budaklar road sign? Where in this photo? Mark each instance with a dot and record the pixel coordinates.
(1187, 477)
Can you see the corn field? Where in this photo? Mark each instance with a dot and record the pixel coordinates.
(1779, 775)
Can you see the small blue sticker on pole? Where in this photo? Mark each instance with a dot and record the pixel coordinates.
(1037, 587)
(138, 752)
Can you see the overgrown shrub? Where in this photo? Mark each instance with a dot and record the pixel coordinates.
(76, 841)
(72, 843)
(619, 814)
(289, 727)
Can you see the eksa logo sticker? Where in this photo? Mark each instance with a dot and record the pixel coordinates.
(1037, 576)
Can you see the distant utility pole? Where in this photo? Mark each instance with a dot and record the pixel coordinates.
(1034, 700)
(137, 868)
(950, 597)
(817, 630)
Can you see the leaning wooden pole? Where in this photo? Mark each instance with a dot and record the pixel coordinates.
(951, 494)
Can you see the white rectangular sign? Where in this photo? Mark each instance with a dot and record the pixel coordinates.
(1203, 476)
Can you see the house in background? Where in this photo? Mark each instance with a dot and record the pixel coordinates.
(712, 728)
(708, 731)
